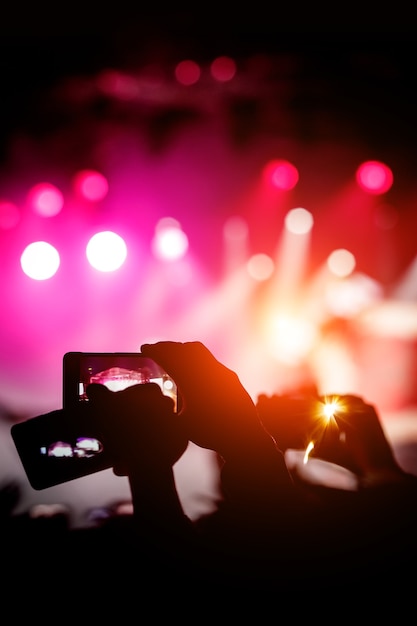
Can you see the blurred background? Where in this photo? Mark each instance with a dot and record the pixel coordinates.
(181, 176)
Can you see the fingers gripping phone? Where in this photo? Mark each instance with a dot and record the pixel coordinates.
(64, 444)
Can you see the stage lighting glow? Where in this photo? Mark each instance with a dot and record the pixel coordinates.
(167, 222)
(374, 177)
(351, 295)
(341, 262)
(236, 228)
(235, 240)
(281, 174)
(299, 221)
(91, 185)
(386, 217)
(290, 338)
(118, 85)
(40, 260)
(9, 215)
(187, 72)
(45, 199)
(106, 251)
(260, 267)
(223, 69)
(169, 243)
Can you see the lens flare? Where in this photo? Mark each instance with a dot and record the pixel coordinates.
(307, 452)
(324, 414)
(330, 408)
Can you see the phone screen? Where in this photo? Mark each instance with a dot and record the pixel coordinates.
(116, 371)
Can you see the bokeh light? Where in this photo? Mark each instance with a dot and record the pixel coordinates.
(106, 251)
(45, 199)
(91, 185)
(374, 177)
(169, 242)
(260, 266)
(223, 69)
(187, 72)
(299, 221)
(341, 262)
(40, 260)
(281, 174)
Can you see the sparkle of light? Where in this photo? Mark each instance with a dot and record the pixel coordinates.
(329, 409)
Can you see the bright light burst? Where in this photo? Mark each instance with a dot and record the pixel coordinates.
(291, 337)
(329, 408)
(325, 411)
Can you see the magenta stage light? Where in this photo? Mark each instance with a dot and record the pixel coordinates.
(46, 199)
(374, 177)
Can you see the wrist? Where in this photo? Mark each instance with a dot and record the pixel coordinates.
(258, 469)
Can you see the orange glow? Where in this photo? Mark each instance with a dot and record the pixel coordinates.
(291, 337)
(329, 408)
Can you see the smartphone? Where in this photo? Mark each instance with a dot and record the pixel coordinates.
(115, 370)
(65, 444)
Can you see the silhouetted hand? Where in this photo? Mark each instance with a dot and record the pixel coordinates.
(292, 420)
(139, 424)
(219, 414)
(218, 411)
(146, 438)
(350, 435)
(363, 441)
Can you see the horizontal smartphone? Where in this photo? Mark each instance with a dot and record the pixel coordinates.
(115, 370)
(65, 444)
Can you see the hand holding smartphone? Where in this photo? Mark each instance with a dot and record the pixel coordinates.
(67, 443)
